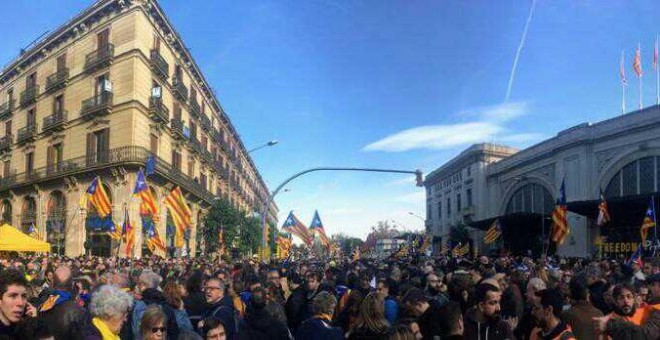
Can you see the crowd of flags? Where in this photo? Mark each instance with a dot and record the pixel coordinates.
(294, 227)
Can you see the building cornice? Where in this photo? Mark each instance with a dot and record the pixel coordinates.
(475, 153)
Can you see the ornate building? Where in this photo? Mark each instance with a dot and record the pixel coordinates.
(620, 156)
(97, 97)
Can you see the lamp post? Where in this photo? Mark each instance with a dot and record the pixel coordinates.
(270, 143)
(418, 176)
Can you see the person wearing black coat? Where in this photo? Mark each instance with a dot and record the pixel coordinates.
(60, 311)
(319, 327)
(259, 324)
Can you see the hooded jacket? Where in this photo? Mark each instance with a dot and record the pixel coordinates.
(260, 325)
(478, 328)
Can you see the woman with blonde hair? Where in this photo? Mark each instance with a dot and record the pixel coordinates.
(371, 322)
(153, 324)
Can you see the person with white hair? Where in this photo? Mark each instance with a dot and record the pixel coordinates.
(109, 307)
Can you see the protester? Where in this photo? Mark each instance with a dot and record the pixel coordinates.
(153, 324)
(259, 324)
(13, 301)
(483, 320)
(149, 291)
(219, 306)
(213, 329)
(109, 307)
(60, 311)
(386, 288)
(319, 326)
(371, 323)
(548, 312)
(582, 312)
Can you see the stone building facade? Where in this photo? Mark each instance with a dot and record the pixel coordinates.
(97, 97)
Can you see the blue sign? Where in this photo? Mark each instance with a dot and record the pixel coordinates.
(150, 166)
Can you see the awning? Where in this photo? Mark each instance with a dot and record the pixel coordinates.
(623, 210)
(12, 239)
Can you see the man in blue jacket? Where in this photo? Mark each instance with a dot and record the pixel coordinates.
(387, 289)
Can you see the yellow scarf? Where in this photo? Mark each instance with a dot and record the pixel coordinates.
(106, 333)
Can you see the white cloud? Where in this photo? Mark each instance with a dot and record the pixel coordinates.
(415, 198)
(489, 126)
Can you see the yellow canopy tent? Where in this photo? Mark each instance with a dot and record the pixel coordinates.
(12, 239)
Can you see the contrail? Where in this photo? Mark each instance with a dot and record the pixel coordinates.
(520, 47)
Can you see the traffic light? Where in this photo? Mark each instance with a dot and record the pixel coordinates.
(419, 178)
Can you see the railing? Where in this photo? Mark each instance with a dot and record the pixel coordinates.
(57, 79)
(205, 121)
(195, 110)
(179, 90)
(196, 145)
(26, 133)
(177, 128)
(6, 142)
(55, 121)
(99, 104)
(6, 108)
(57, 214)
(99, 58)
(159, 112)
(159, 65)
(124, 155)
(29, 95)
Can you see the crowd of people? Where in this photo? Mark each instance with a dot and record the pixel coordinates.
(51, 297)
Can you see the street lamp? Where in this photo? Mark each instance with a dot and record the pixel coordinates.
(270, 143)
(413, 214)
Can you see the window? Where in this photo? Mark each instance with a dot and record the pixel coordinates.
(156, 43)
(469, 197)
(177, 111)
(31, 80)
(156, 89)
(193, 94)
(428, 212)
(58, 104)
(193, 130)
(103, 38)
(29, 162)
(469, 171)
(191, 168)
(459, 202)
(6, 170)
(439, 210)
(8, 128)
(638, 177)
(31, 117)
(54, 158)
(61, 62)
(205, 142)
(448, 206)
(98, 146)
(202, 179)
(154, 144)
(10, 95)
(102, 84)
(176, 159)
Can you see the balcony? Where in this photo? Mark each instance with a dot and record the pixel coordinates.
(27, 133)
(57, 80)
(6, 143)
(158, 111)
(177, 128)
(55, 122)
(179, 90)
(206, 156)
(100, 58)
(159, 66)
(99, 105)
(195, 144)
(29, 95)
(205, 122)
(6, 109)
(195, 110)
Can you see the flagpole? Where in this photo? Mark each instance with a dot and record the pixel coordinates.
(623, 84)
(639, 50)
(655, 228)
(657, 72)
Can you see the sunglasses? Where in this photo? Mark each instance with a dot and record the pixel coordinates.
(158, 329)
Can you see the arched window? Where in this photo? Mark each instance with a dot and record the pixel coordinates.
(28, 214)
(641, 176)
(531, 198)
(56, 222)
(6, 212)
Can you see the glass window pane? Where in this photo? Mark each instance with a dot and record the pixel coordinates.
(527, 198)
(646, 175)
(614, 187)
(629, 173)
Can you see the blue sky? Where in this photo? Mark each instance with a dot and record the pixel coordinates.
(392, 84)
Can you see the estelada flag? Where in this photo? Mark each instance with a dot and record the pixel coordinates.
(129, 234)
(649, 221)
(316, 227)
(493, 233)
(560, 228)
(99, 198)
(603, 213)
(148, 200)
(293, 226)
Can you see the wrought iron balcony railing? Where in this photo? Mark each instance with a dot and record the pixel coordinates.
(6, 109)
(6, 142)
(159, 112)
(179, 90)
(57, 80)
(128, 155)
(205, 122)
(29, 95)
(99, 58)
(195, 111)
(177, 128)
(100, 104)
(196, 145)
(159, 65)
(27, 133)
(56, 121)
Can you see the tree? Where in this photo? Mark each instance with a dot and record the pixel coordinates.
(347, 243)
(221, 216)
(384, 229)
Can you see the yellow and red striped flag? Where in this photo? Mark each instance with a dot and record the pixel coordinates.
(649, 221)
(154, 242)
(148, 200)
(99, 198)
(637, 62)
(181, 214)
(493, 233)
(560, 229)
(114, 232)
(129, 235)
(603, 213)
